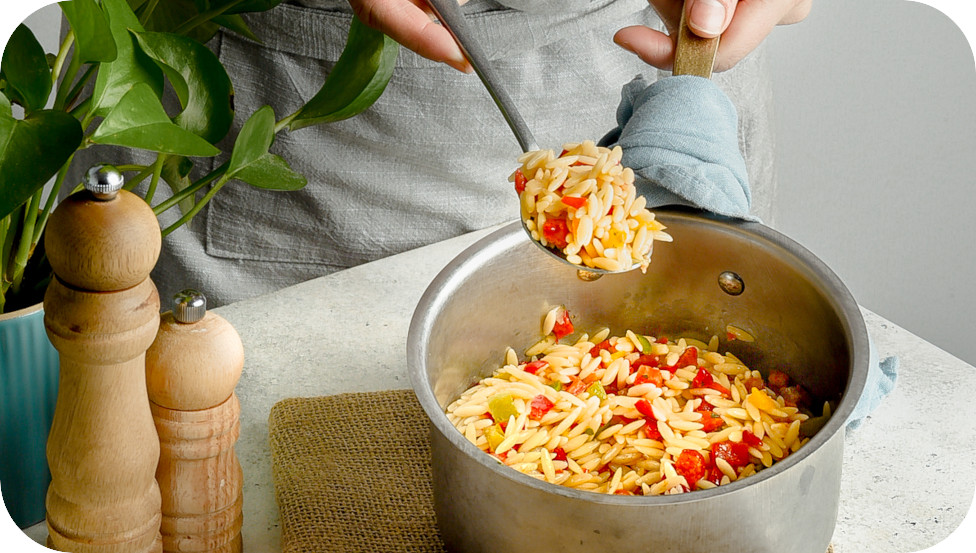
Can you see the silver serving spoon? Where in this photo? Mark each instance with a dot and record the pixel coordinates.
(694, 56)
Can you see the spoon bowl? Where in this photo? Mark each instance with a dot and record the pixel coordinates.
(693, 56)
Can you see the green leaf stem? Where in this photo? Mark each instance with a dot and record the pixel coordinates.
(251, 162)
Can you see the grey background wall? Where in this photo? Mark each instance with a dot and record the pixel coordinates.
(875, 120)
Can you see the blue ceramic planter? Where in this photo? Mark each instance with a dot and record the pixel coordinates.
(28, 392)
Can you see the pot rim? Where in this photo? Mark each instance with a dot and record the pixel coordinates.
(23, 311)
(467, 262)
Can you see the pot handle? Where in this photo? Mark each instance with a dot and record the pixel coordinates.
(693, 54)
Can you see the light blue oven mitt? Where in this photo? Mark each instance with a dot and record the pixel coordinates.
(680, 136)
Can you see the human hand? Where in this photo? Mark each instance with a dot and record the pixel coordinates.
(743, 25)
(411, 23)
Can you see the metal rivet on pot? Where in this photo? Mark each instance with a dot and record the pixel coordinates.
(731, 283)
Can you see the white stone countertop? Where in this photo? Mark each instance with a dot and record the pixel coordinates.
(909, 470)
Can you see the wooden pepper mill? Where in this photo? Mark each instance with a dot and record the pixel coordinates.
(191, 370)
(101, 313)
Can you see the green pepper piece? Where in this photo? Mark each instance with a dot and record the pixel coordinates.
(644, 344)
(556, 385)
(495, 435)
(501, 407)
(595, 389)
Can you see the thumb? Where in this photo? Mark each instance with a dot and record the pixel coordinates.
(709, 18)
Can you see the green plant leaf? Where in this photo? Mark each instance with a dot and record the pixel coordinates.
(24, 66)
(93, 37)
(253, 141)
(5, 108)
(358, 79)
(138, 120)
(246, 6)
(176, 174)
(169, 15)
(250, 160)
(271, 172)
(130, 66)
(199, 79)
(31, 152)
(236, 23)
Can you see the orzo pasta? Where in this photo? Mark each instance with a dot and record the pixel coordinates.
(631, 414)
(584, 204)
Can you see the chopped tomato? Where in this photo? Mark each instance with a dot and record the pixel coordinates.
(535, 366)
(662, 340)
(574, 202)
(729, 336)
(735, 454)
(702, 379)
(539, 406)
(645, 360)
(520, 181)
(795, 396)
(711, 422)
(576, 386)
(715, 475)
(751, 439)
(753, 382)
(555, 232)
(563, 326)
(651, 431)
(689, 357)
(718, 387)
(595, 350)
(559, 454)
(650, 375)
(704, 406)
(778, 379)
(691, 465)
(644, 408)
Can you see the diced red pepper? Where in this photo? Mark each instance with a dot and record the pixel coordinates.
(778, 379)
(574, 202)
(715, 475)
(644, 408)
(691, 465)
(729, 336)
(718, 387)
(555, 232)
(650, 375)
(520, 181)
(563, 326)
(688, 357)
(539, 406)
(751, 439)
(704, 406)
(535, 366)
(662, 340)
(710, 421)
(559, 454)
(735, 454)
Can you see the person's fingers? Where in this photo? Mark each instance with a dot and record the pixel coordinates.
(799, 12)
(709, 18)
(753, 21)
(653, 47)
(412, 26)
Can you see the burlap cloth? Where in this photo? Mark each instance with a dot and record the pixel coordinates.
(352, 474)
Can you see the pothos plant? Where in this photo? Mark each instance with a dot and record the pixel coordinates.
(104, 86)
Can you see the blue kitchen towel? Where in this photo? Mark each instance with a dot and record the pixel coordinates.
(680, 136)
(880, 382)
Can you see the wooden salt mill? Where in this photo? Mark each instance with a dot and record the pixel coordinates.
(192, 369)
(101, 313)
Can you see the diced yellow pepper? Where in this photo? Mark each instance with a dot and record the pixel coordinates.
(495, 435)
(501, 407)
(762, 401)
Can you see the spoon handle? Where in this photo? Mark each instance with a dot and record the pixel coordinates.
(693, 54)
(450, 16)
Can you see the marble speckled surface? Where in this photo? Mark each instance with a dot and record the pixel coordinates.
(909, 470)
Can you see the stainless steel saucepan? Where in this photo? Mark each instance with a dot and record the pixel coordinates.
(716, 273)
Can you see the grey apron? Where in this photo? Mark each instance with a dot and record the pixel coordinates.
(430, 160)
